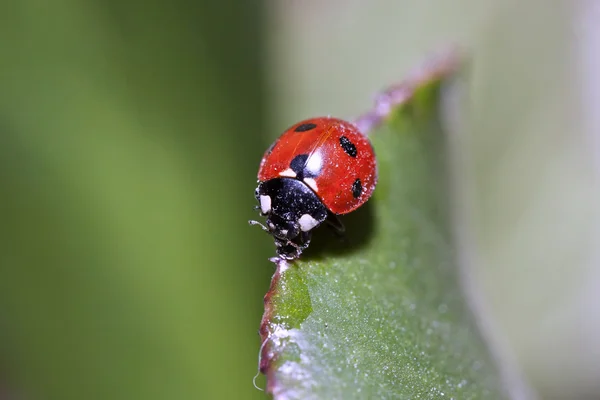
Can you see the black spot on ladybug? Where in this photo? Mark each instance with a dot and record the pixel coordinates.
(298, 163)
(305, 127)
(357, 188)
(299, 166)
(348, 146)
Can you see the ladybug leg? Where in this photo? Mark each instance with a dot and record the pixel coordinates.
(305, 239)
(291, 250)
(302, 242)
(264, 228)
(288, 250)
(334, 222)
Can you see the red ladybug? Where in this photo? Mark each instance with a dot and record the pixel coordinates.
(318, 169)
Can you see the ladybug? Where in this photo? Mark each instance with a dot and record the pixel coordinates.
(318, 169)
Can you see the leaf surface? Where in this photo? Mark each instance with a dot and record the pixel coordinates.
(381, 315)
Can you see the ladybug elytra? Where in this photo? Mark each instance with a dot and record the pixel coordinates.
(316, 170)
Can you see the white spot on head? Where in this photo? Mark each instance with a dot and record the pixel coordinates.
(265, 204)
(307, 222)
(289, 173)
(314, 163)
(311, 184)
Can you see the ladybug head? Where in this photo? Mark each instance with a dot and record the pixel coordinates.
(281, 228)
(293, 210)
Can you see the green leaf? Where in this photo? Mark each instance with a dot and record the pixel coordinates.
(382, 315)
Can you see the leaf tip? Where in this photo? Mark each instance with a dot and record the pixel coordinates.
(436, 68)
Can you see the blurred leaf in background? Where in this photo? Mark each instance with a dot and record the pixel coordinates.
(130, 137)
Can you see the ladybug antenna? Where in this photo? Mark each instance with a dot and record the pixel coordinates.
(264, 228)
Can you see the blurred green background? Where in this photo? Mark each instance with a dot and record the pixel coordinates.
(130, 135)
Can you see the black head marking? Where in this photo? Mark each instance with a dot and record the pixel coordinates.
(305, 127)
(357, 188)
(348, 146)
